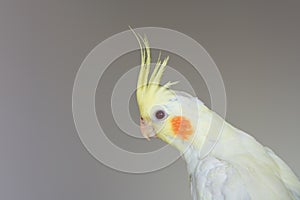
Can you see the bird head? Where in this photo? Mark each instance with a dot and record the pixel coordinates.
(164, 113)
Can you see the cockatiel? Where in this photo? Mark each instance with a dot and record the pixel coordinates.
(236, 168)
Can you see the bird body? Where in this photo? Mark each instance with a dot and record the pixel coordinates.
(236, 167)
(239, 167)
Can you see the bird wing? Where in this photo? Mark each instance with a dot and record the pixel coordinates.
(217, 179)
(288, 177)
(214, 178)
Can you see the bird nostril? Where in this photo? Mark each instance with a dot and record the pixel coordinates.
(142, 118)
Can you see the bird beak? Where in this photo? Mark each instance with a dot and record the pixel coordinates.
(147, 130)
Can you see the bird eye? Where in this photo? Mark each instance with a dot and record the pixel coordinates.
(160, 114)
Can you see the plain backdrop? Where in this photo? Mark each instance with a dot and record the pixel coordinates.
(255, 44)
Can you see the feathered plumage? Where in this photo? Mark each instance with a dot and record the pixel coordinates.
(238, 167)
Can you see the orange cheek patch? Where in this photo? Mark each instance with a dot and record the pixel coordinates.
(182, 127)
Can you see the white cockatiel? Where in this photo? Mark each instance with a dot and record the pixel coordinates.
(236, 168)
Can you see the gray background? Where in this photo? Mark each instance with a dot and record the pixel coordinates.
(42, 44)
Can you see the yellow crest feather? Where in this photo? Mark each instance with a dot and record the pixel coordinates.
(148, 88)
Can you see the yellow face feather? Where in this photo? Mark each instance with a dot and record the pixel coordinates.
(152, 97)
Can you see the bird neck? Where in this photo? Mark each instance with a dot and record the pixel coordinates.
(208, 133)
